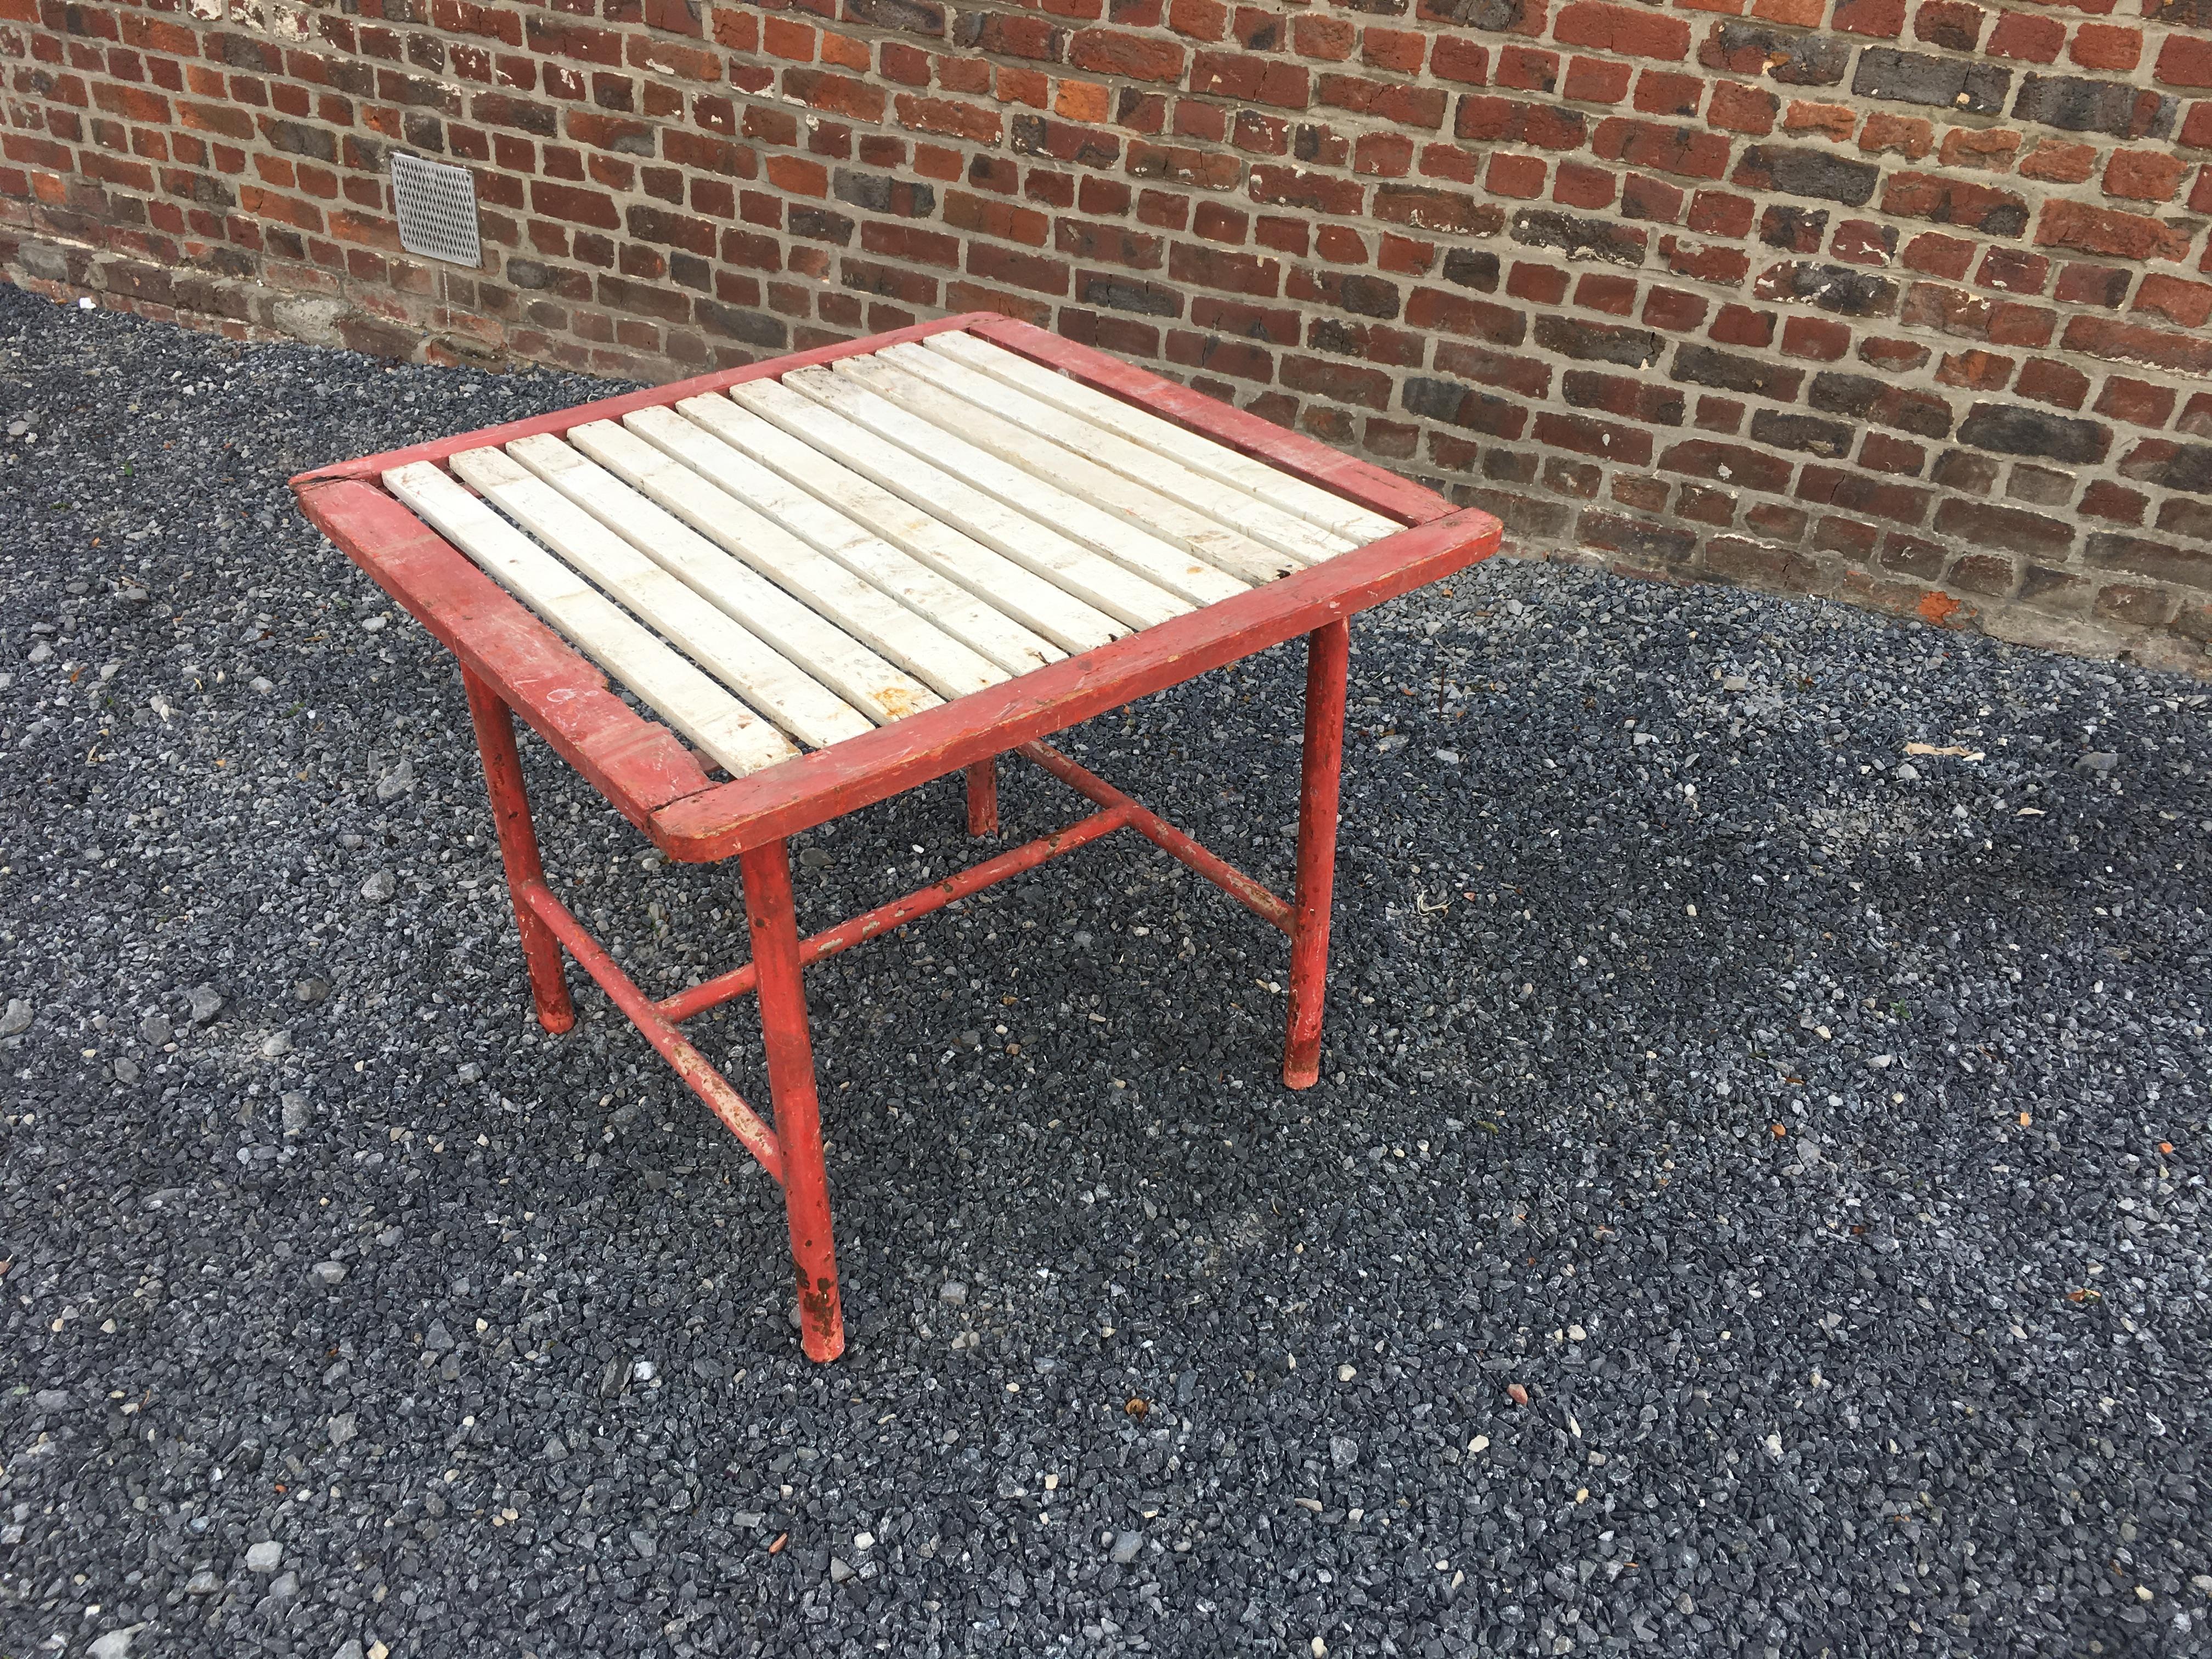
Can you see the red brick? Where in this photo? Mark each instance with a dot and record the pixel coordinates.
(2188, 304)
(2137, 402)
(2027, 35)
(1519, 178)
(1739, 325)
(1883, 20)
(1816, 338)
(2107, 231)
(1461, 60)
(1673, 149)
(1885, 133)
(1740, 108)
(1115, 52)
(2059, 162)
(1250, 77)
(2144, 175)
(2048, 381)
(2114, 504)
(1626, 31)
(1660, 92)
(2185, 61)
(2106, 46)
(1526, 69)
(1596, 81)
(1983, 371)
(1580, 187)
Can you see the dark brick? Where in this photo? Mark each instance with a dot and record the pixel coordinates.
(879, 193)
(1635, 538)
(1864, 398)
(1491, 17)
(2045, 486)
(1617, 394)
(1598, 342)
(1817, 172)
(1909, 77)
(1855, 492)
(2005, 528)
(2190, 566)
(1795, 59)
(907, 16)
(2075, 105)
(298, 138)
(1732, 464)
(1579, 237)
(819, 225)
(1830, 438)
(1707, 366)
(1118, 292)
(1846, 292)
(1473, 268)
(1630, 445)
(2177, 466)
(737, 324)
(1458, 406)
(2012, 430)
(1792, 228)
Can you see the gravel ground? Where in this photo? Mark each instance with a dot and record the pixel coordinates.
(1754, 1203)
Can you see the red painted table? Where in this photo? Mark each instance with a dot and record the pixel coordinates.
(845, 573)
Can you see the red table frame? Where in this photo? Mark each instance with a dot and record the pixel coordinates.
(512, 663)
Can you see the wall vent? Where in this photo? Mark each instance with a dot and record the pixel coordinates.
(437, 205)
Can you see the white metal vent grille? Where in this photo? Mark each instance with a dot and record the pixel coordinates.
(437, 205)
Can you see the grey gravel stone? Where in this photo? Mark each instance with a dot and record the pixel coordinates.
(125, 1069)
(296, 1114)
(51, 1399)
(17, 1019)
(203, 1583)
(204, 1002)
(1125, 1546)
(329, 1272)
(1974, 1338)
(114, 1643)
(264, 1557)
(154, 1030)
(380, 886)
(840, 1570)
(313, 989)
(397, 781)
(953, 1290)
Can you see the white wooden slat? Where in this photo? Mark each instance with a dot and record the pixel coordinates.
(1213, 501)
(878, 689)
(1170, 567)
(701, 630)
(1203, 454)
(1120, 594)
(1076, 477)
(1056, 614)
(825, 586)
(738, 740)
(988, 630)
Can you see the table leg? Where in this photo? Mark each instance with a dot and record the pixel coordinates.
(767, 874)
(983, 797)
(1328, 652)
(518, 850)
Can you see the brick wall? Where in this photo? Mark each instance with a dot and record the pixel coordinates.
(1900, 301)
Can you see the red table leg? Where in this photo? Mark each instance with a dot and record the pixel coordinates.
(983, 797)
(517, 849)
(767, 874)
(1328, 650)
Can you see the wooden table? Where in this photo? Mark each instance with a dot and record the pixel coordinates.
(840, 574)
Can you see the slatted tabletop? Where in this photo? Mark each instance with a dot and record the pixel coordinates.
(794, 562)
